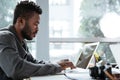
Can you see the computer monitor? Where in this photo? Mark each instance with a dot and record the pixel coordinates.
(86, 57)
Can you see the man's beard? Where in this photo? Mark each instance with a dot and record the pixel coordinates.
(25, 32)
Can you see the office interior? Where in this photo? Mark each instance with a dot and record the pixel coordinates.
(67, 25)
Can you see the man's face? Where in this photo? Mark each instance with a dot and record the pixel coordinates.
(31, 27)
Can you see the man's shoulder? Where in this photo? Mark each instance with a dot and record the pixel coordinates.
(5, 31)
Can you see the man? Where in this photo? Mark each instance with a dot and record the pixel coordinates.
(16, 63)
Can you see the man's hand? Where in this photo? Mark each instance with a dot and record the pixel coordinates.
(66, 64)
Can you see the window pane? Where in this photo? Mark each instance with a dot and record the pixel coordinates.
(84, 18)
(70, 51)
(6, 12)
(60, 51)
(58, 2)
(91, 19)
(32, 47)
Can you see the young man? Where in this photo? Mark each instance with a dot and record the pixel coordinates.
(16, 63)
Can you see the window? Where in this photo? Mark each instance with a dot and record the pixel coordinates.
(59, 28)
(6, 12)
(58, 2)
(81, 22)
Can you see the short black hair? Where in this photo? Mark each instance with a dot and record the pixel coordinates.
(25, 9)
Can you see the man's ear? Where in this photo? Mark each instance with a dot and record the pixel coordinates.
(21, 21)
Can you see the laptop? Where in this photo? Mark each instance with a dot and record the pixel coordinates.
(86, 57)
(115, 48)
(83, 61)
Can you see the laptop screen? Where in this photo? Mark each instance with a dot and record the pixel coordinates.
(86, 57)
(115, 48)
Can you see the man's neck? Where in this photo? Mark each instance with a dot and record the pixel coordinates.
(18, 31)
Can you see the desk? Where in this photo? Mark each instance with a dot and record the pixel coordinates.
(80, 76)
(83, 75)
(57, 77)
(50, 77)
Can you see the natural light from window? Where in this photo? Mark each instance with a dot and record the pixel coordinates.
(80, 19)
(110, 25)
